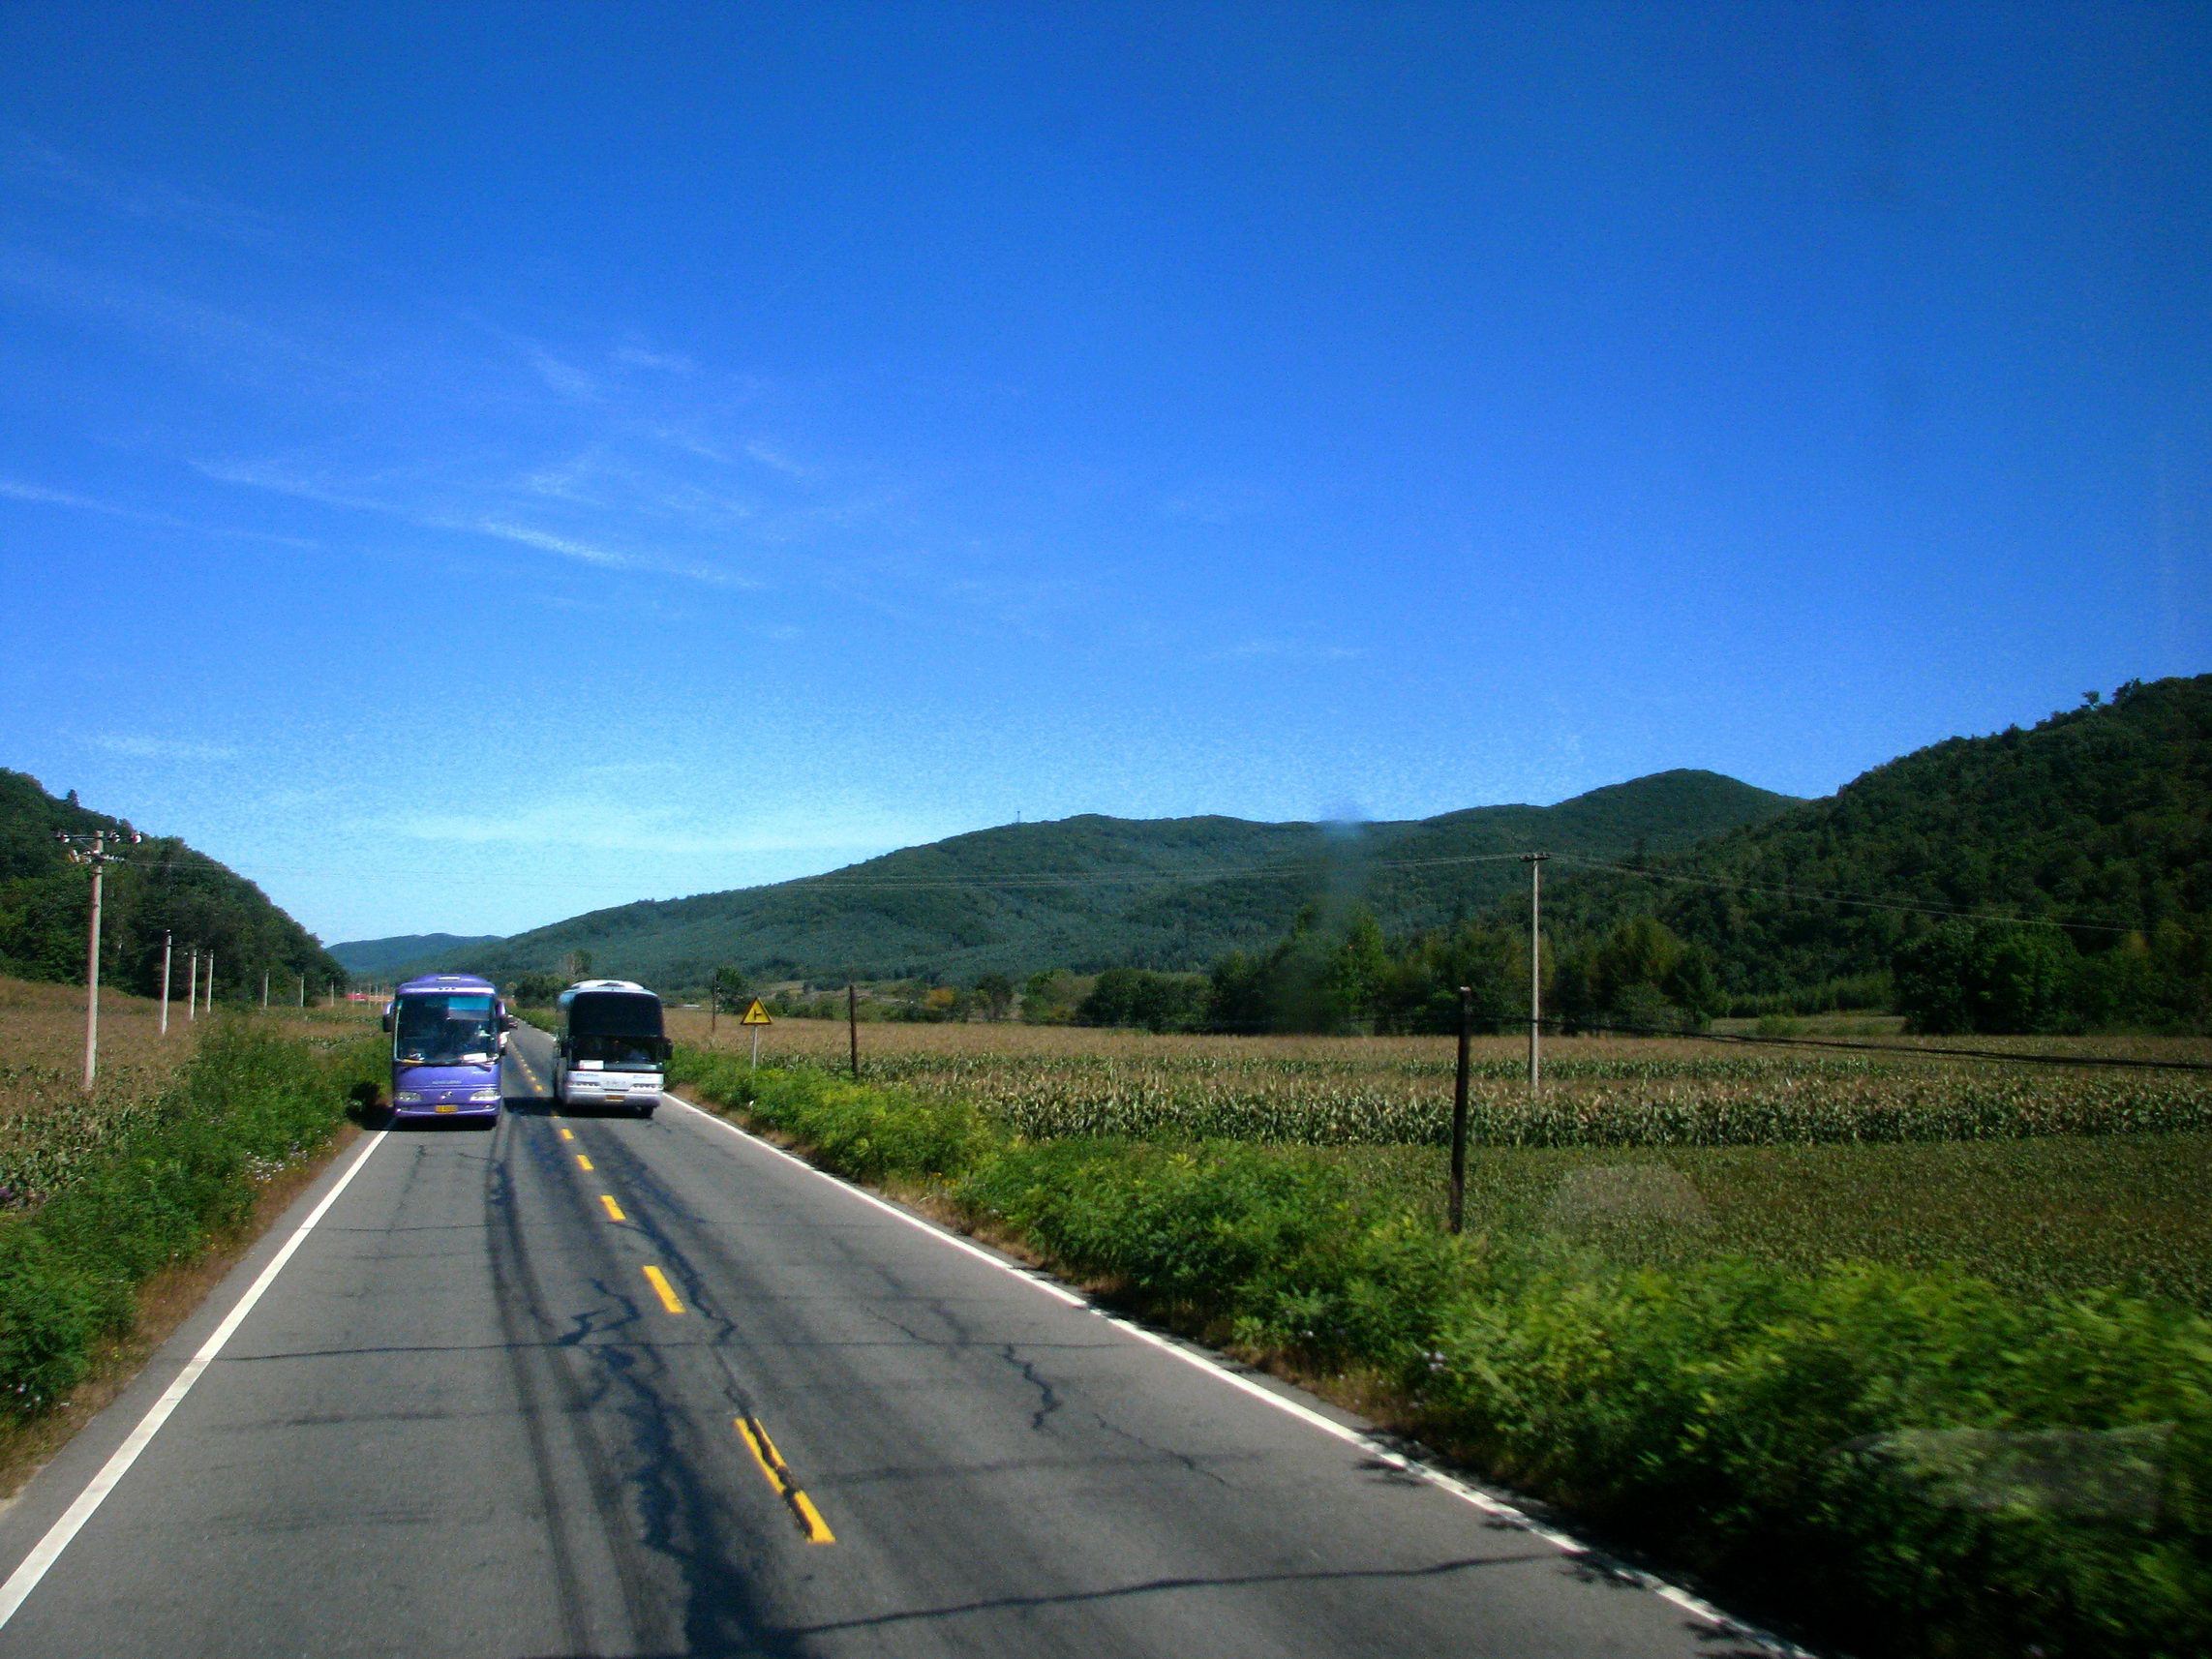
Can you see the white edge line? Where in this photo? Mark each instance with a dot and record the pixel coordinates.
(1487, 1502)
(1058, 1292)
(33, 1566)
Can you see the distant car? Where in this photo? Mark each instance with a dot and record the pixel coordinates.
(611, 1047)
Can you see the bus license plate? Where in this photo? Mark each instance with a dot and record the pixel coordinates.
(449, 1108)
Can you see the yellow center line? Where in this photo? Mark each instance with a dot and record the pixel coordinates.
(779, 1472)
(567, 1134)
(583, 1163)
(663, 1289)
(613, 1210)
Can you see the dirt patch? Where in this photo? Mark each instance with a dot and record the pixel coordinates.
(163, 1303)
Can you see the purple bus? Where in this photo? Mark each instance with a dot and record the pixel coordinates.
(448, 1032)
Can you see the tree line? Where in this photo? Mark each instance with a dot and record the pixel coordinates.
(160, 887)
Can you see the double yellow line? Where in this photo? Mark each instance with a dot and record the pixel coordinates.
(757, 1441)
(779, 1476)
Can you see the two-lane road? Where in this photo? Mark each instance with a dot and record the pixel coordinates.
(601, 1386)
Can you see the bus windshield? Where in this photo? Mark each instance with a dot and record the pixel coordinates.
(462, 1030)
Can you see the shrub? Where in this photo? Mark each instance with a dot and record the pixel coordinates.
(249, 1102)
(869, 1134)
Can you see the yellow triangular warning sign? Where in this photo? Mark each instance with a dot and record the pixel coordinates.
(756, 1016)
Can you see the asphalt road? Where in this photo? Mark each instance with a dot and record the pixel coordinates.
(466, 1420)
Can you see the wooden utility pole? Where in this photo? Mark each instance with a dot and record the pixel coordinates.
(1456, 1206)
(92, 972)
(1535, 863)
(94, 850)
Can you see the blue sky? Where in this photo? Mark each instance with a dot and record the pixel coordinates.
(464, 466)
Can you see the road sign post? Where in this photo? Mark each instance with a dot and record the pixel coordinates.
(756, 1016)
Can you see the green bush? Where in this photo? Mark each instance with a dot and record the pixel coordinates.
(864, 1132)
(246, 1105)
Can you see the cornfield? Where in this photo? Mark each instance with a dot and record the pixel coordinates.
(49, 1128)
(1048, 1083)
(2041, 1178)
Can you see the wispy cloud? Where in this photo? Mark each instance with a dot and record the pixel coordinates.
(15, 490)
(604, 558)
(1218, 503)
(138, 747)
(567, 547)
(288, 484)
(566, 378)
(638, 357)
(237, 345)
(67, 178)
(618, 826)
(775, 459)
(1288, 650)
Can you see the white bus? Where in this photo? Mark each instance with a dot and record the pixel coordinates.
(612, 1048)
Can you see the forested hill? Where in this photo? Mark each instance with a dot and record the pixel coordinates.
(2100, 818)
(369, 957)
(162, 884)
(1094, 892)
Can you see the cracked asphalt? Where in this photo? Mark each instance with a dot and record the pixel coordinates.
(465, 1422)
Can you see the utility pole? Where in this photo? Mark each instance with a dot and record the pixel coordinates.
(93, 850)
(168, 947)
(264, 988)
(192, 987)
(1456, 1206)
(1535, 863)
(303, 993)
(211, 984)
(853, 1026)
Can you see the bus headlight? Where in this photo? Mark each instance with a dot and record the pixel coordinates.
(407, 1098)
(485, 1094)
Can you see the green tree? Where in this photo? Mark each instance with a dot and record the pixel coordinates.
(996, 991)
(731, 990)
(1047, 998)
(1138, 996)
(1972, 976)
(534, 989)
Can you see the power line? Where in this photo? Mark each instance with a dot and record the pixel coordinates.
(834, 879)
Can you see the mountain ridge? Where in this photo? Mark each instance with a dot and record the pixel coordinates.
(2097, 820)
(371, 957)
(1094, 892)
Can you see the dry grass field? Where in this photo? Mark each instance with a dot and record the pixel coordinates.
(49, 1126)
(2041, 1177)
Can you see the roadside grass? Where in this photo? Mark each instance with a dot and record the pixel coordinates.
(160, 1164)
(1924, 1381)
